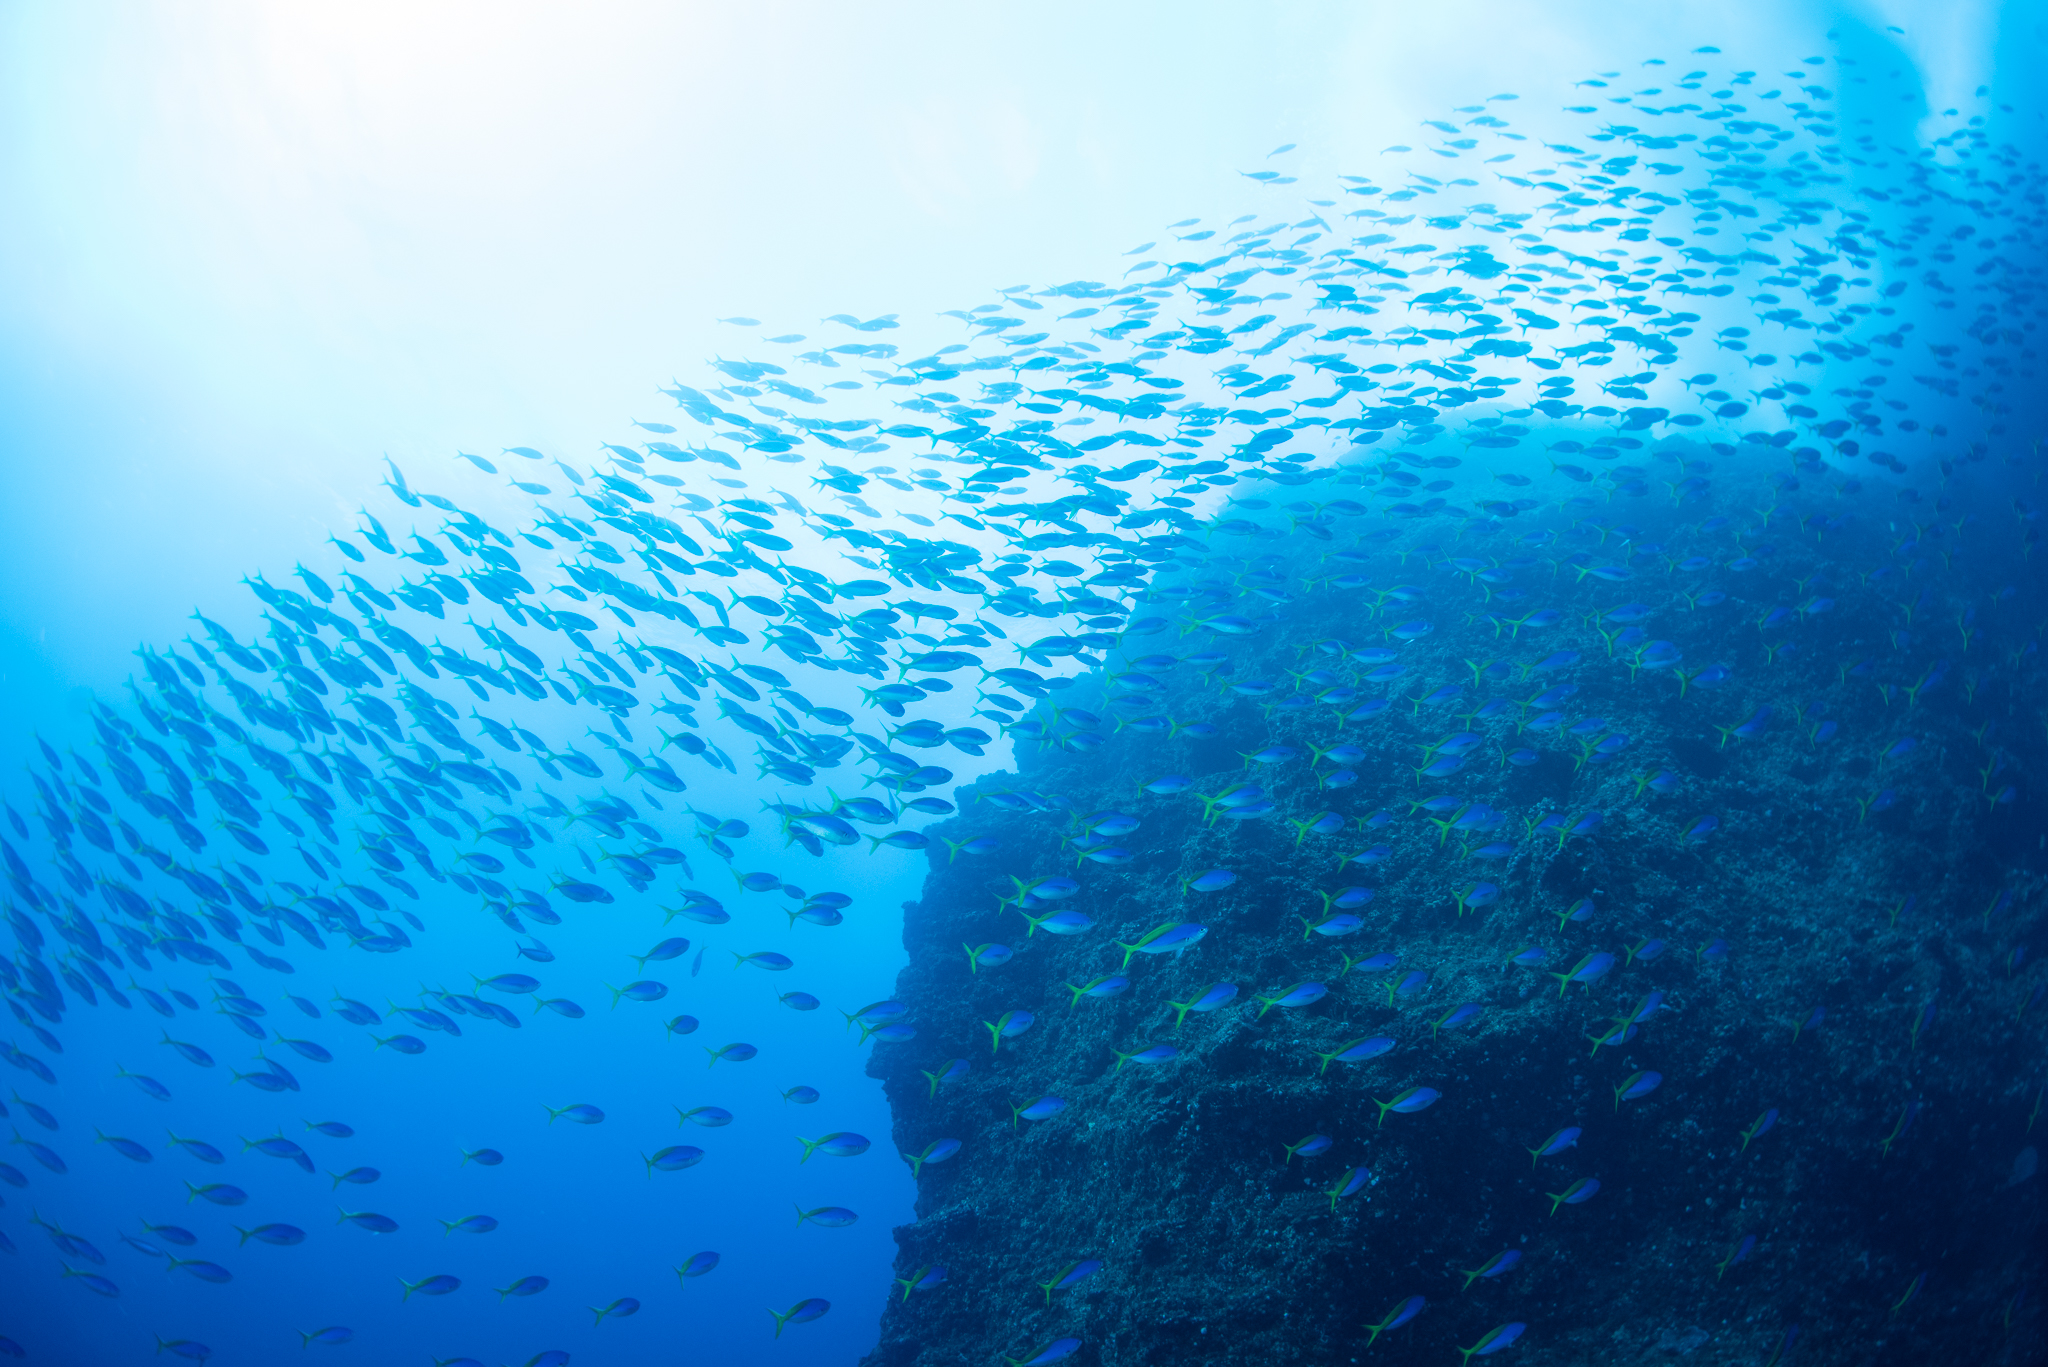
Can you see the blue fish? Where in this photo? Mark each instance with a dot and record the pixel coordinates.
(697, 1265)
(827, 1217)
(842, 1144)
(1308, 1147)
(1455, 1017)
(1566, 1138)
(938, 1151)
(674, 1158)
(1408, 1102)
(1585, 1189)
(803, 1312)
(1350, 1183)
(1492, 1341)
(1407, 1310)
(1301, 994)
(1069, 1277)
(581, 1113)
(1169, 938)
(1357, 1051)
(1735, 1255)
(1106, 986)
(441, 1284)
(1044, 1108)
(1637, 1085)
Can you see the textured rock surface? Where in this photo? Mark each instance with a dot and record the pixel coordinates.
(1218, 1251)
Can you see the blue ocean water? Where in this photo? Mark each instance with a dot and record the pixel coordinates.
(1527, 515)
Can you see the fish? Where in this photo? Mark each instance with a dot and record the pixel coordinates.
(938, 1151)
(1072, 1275)
(1563, 1139)
(1492, 1341)
(674, 1158)
(1211, 998)
(1401, 1314)
(1456, 1016)
(440, 1284)
(803, 1312)
(218, 1193)
(1584, 1189)
(828, 1217)
(1301, 994)
(1357, 1051)
(840, 1144)
(697, 1265)
(1735, 1255)
(1637, 1084)
(1309, 1146)
(526, 1286)
(1408, 1102)
(1498, 1265)
(172, 1234)
(93, 1282)
(1157, 1053)
(127, 1148)
(369, 1220)
(1350, 1183)
(1044, 1108)
(1168, 938)
(281, 1234)
(1009, 1025)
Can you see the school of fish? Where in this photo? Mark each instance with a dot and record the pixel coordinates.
(1467, 473)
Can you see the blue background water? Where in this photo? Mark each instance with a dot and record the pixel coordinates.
(253, 256)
